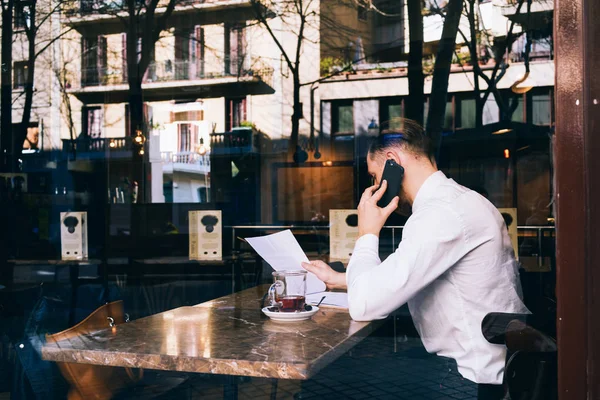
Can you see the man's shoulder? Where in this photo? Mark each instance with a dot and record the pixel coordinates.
(446, 195)
(438, 214)
(450, 205)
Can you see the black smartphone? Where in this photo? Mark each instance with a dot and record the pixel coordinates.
(393, 174)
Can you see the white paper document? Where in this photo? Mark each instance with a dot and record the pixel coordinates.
(336, 299)
(283, 252)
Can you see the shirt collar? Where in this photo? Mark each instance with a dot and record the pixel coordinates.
(428, 189)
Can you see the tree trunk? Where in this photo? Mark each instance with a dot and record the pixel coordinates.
(6, 133)
(441, 75)
(136, 111)
(416, 97)
(26, 118)
(473, 50)
(296, 116)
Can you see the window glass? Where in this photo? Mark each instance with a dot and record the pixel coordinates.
(344, 122)
(159, 139)
(467, 113)
(395, 115)
(20, 71)
(541, 109)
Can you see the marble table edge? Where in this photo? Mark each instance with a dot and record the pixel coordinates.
(260, 369)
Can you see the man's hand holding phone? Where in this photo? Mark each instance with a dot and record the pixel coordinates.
(371, 218)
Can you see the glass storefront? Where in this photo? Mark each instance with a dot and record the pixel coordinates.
(145, 143)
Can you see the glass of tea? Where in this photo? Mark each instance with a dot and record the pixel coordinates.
(288, 291)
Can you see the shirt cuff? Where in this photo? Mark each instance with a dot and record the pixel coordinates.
(368, 241)
(366, 251)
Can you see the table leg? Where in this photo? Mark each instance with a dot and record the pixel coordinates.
(74, 279)
(257, 270)
(230, 389)
(395, 335)
(237, 272)
(274, 389)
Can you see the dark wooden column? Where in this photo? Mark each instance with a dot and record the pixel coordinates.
(577, 166)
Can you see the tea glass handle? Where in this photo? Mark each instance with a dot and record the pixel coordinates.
(273, 292)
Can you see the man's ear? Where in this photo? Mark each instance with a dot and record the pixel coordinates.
(395, 155)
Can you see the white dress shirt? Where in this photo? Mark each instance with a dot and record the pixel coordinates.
(454, 265)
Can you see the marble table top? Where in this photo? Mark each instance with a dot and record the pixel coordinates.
(228, 336)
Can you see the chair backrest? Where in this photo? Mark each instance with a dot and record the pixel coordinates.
(531, 369)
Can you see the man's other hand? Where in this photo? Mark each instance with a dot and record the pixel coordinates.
(333, 279)
(371, 217)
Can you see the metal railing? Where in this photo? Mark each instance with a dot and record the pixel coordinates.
(176, 70)
(87, 145)
(94, 76)
(517, 56)
(540, 232)
(241, 139)
(180, 70)
(101, 7)
(185, 157)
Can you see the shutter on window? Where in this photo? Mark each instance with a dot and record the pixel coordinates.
(234, 50)
(84, 59)
(200, 50)
(102, 57)
(124, 55)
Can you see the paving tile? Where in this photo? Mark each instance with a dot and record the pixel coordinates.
(389, 397)
(462, 396)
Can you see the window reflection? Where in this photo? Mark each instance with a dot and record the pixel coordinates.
(218, 110)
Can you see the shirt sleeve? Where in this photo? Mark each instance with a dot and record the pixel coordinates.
(432, 243)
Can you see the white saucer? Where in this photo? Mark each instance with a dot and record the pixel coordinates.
(290, 316)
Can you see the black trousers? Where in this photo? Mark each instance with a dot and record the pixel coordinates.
(490, 392)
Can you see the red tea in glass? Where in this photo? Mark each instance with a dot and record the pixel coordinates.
(291, 303)
(288, 290)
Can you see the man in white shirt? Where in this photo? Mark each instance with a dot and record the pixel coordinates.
(454, 265)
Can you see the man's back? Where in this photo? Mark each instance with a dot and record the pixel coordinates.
(482, 278)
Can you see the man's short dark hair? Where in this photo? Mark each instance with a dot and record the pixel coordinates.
(411, 137)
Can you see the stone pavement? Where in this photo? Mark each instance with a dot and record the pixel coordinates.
(370, 371)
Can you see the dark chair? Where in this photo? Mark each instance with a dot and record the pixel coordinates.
(531, 367)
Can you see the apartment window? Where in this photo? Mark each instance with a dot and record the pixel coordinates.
(541, 109)
(197, 51)
(203, 193)
(187, 137)
(92, 122)
(362, 13)
(94, 55)
(519, 113)
(342, 122)
(235, 111)
(189, 53)
(391, 113)
(235, 49)
(467, 111)
(448, 124)
(20, 74)
(342, 117)
(21, 17)
(449, 116)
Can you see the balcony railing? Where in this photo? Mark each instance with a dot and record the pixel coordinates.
(102, 7)
(182, 70)
(185, 157)
(176, 70)
(185, 161)
(509, 7)
(239, 140)
(541, 49)
(533, 56)
(93, 76)
(89, 145)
